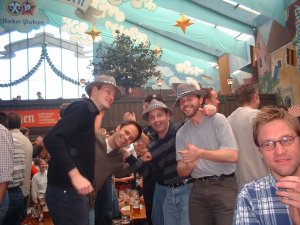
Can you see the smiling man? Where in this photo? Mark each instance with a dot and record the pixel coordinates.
(71, 143)
(109, 152)
(170, 201)
(274, 199)
(206, 149)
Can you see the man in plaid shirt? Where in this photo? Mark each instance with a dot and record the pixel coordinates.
(274, 199)
(6, 164)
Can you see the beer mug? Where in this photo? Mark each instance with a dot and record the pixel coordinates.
(136, 206)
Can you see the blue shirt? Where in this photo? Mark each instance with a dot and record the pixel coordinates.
(257, 203)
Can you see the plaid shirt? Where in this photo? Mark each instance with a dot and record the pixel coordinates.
(6, 155)
(257, 203)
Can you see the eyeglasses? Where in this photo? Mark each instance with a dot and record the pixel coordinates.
(284, 141)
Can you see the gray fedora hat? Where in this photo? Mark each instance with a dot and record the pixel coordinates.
(185, 89)
(101, 80)
(155, 104)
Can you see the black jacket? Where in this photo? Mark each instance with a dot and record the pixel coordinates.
(71, 143)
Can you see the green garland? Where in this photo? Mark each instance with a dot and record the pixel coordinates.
(44, 55)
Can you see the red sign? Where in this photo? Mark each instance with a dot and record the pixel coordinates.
(38, 118)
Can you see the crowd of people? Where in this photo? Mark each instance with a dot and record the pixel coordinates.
(23, 169)
(206, 169)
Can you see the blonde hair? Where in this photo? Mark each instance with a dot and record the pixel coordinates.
(271, 113)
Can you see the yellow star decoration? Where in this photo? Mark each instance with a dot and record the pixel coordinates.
(183, 23)
(93, 33)
(156, 50)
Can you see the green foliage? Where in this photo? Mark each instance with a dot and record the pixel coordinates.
(268, 85)
(131, 63)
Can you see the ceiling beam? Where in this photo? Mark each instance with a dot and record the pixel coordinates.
(274, 9)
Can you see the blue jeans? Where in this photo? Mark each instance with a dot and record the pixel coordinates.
(15, 207)
(4, 207)
(157, 207)
(66, 206)
(176, 206)
(106, 204)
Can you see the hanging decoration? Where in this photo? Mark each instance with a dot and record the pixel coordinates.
(44, 55)
(183, 23)
(156, 50)
(93, 33)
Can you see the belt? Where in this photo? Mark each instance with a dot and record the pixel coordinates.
(215, 177)
(180, 183)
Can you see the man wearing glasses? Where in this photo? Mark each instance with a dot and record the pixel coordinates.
(274, 199)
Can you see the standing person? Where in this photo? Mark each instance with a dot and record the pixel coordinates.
(71, 144)
(39, 95)
(211, 97)
(250, 166)
(206, 150)
(170, 201)
(14, 124)
(16, 200)
(274, 199)
(109, 160)
(147, 134)
(6, 164)
(25, 131)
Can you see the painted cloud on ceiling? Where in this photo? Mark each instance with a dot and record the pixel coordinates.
(187, 68)
(166, 71)
(76, 30)
(132, 32)
(109, 10)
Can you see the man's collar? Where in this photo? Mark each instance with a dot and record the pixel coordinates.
(108, 147)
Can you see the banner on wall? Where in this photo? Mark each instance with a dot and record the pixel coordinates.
(21, 15)
(38, 118)
(24, 15)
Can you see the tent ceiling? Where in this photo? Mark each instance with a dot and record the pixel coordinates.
(202, 43)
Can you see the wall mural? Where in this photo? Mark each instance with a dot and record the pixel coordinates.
(278, 59)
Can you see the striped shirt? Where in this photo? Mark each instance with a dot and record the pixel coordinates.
(258, 204)
(18, 164)
(6, 155)
(163, 165)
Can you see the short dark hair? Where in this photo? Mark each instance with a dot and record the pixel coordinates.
(158, 97)
(24, 130)
(14, 120)
(62, 109)
(244, 94)
(131, 122)
(207, 93)
(4, 119)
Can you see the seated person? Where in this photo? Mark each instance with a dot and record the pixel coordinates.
(39, 181)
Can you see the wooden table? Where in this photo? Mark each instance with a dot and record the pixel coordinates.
(134, 216)
(30, 221)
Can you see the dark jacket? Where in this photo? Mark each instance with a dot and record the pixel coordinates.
(71, 143)
(108, 164)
